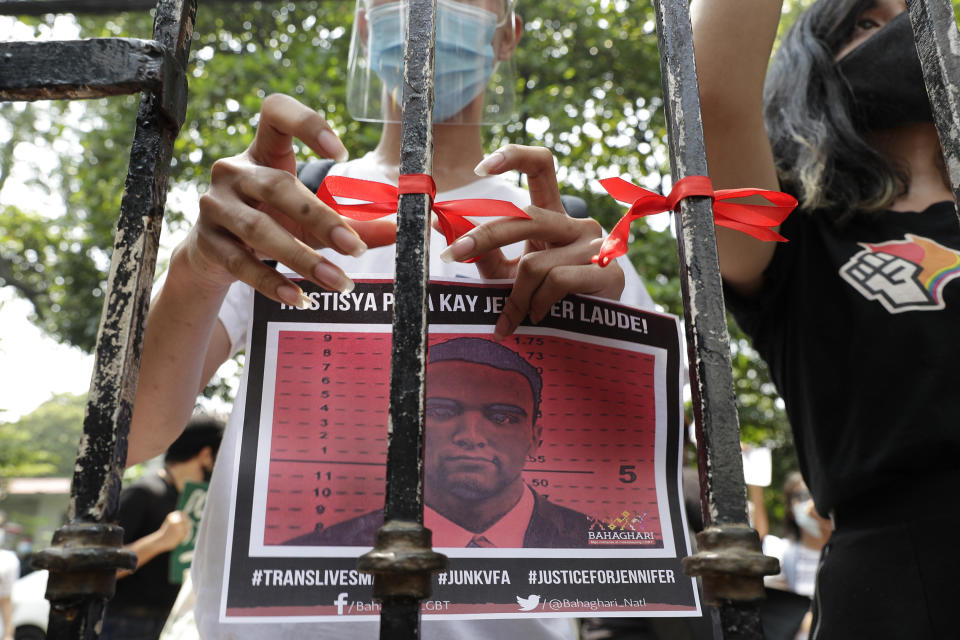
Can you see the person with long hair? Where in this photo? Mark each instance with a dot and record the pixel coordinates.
(856, 313)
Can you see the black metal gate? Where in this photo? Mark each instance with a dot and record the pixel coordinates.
(86, 552)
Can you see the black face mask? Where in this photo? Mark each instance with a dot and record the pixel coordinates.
(885, 77)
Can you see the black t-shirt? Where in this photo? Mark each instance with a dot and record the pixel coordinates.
(143, 507)
(859, 325)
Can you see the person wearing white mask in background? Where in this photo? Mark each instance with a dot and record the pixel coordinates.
(799, 549)
(255, 209)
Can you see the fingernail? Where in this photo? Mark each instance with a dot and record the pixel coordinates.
(501, 329)
(459, 250)
(293, 296)
(491, 163)
(347, 242)
(332, 145)
(330, 277)
(536, 317)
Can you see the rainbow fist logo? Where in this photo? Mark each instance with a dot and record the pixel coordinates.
(903, 275)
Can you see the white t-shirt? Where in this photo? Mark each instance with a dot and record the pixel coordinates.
(798, 565)
(235, 315)
(9, 572)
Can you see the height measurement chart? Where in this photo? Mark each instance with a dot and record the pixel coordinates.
(551, 462)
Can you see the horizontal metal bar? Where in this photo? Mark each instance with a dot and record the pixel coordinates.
(70, 69)
(94, 68)
(41, 7)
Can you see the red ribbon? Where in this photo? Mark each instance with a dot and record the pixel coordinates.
(753, 219)
(381, 200)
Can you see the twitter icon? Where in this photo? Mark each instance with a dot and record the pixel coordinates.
(529, 603)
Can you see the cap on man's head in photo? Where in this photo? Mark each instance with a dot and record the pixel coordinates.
(200, 432)
(492, 354)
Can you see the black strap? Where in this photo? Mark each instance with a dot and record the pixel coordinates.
(312, 173)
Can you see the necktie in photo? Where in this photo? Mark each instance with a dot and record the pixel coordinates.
(479, 541)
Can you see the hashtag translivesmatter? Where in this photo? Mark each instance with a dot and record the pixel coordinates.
(310, 577)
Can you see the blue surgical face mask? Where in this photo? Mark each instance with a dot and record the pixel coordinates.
(464, 55)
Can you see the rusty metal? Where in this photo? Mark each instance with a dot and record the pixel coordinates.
(938, 45)
(402, 561)
(42, 7)
(94, 68)
(729, 562)
(86, 553)
(726, 553)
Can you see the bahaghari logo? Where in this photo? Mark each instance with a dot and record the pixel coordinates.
(626, 527)
(903, 275)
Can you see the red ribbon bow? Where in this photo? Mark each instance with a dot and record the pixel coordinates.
(381, 200)
(753, 219)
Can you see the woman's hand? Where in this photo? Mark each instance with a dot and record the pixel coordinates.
(556, 258)
(257, 209)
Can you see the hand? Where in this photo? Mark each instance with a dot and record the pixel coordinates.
(256, 208)
(174, 530)
(556, 258)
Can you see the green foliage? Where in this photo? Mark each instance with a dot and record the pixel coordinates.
(44, 442)
(18, 456)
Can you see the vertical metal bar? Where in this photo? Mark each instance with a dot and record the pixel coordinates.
(938, 45)
(729, 559)
(402, 560)
(85, 553)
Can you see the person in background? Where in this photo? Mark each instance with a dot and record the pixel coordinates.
(856, 315)
(806, 534)
(799, 554)
(9, 572)
(152, 528)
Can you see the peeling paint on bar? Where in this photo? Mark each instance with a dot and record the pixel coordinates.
(938, 45)
(87, 551)
(402, 560)
(727, 540)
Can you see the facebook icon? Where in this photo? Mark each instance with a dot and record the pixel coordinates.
(339, 602)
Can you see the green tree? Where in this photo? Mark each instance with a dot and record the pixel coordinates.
(43, 442)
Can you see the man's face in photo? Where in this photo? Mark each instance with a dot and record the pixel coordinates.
(480, 428)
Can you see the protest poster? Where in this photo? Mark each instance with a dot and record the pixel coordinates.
(560, 443)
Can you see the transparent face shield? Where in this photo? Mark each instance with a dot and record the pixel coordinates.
(474, 79)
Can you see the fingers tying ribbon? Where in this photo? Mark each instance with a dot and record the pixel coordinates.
(755, 220)
(379, 200)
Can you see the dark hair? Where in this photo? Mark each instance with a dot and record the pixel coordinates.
(493, 354)
(200, 432)
(821, 157)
